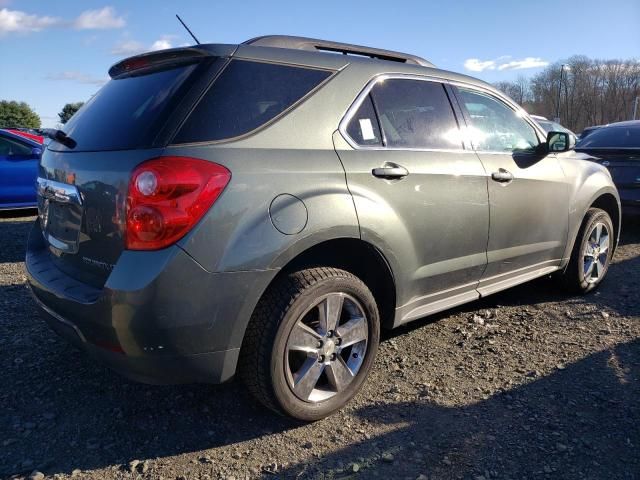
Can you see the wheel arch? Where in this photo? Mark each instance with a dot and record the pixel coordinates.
(609, 204)
(606, 199)
(358, 257)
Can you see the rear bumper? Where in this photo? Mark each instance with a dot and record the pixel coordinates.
(160, 318)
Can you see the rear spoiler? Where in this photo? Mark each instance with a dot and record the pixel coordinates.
(171, 56)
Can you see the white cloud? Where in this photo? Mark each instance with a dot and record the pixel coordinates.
(77, 77)
(161, 44)
(103, 19)
(500, 63)
(128, 47)
(529, 62)
(133, 47)
(17, 21)
(477, 65)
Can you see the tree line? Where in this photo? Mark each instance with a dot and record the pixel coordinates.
(592, 92)
(19, 114)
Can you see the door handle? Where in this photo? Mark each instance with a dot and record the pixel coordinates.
(390, 171)
(502, 176)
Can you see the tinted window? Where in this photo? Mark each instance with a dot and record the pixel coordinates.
(415, 114)
(245, 96)
(496, 127)
(363, 127)
(612, 137)
(126, 112)
(11, 147)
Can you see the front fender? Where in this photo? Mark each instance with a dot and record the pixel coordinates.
(588, 181)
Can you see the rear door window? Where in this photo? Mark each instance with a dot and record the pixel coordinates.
(416, 114)
(246, 96)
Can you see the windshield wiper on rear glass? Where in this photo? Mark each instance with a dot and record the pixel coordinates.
(58, 136)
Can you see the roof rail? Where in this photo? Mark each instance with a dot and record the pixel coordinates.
(314, 44)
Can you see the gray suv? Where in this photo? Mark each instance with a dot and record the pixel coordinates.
(266, 208)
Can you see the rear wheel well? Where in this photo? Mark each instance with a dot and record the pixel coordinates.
(359, 258)
(609, 204)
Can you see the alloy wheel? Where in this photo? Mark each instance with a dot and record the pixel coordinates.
(326, 347)
(596, 253)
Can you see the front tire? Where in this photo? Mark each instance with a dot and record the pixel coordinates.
(591, 253)
(311, 343)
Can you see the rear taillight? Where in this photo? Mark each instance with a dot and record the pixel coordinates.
(167, 196)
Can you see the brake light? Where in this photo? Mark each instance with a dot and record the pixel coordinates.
(167, 196)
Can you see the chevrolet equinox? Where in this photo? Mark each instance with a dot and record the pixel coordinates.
(266, 208)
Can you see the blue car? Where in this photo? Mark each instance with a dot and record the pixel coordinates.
(18, 170)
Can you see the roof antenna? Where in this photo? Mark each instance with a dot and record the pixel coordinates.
(187, 28)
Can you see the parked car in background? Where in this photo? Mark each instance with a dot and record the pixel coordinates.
(19, 157)
(551, 126)
(266, 208)
(617, 147)
(31, 135)
(587, 131)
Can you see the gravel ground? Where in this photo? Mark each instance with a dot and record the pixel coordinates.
(528, 383)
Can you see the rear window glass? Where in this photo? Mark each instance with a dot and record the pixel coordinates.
(127, 112)
(612, 137)
(244, 97)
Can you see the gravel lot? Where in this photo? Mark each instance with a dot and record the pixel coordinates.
(529, 383)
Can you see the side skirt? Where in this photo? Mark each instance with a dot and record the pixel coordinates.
(494, 285)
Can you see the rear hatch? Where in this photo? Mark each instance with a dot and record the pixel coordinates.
(82, 190)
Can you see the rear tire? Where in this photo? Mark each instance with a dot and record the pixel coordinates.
(310, 343)
(591, 253)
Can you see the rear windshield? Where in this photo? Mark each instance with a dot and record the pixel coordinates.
(127, 112)
(245, 96)
(612, 137)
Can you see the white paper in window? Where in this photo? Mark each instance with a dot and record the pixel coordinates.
(366, 129)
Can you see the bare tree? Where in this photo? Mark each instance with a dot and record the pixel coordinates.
(593, 92)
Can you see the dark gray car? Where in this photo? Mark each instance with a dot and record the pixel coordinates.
(617, 147)
(266, 208)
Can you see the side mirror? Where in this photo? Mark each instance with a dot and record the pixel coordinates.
(559, 142)
(36, 152)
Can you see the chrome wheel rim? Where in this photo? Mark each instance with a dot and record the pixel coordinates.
(596, 253)
(326, 347)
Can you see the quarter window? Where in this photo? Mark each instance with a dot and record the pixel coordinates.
(245, 96)
(496, 127)
(416, 114)
(363, 127)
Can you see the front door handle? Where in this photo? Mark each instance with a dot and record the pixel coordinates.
(502, 176)
(390, 170)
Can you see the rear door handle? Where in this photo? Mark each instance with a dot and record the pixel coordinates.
(390, 171)
(502, 176)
